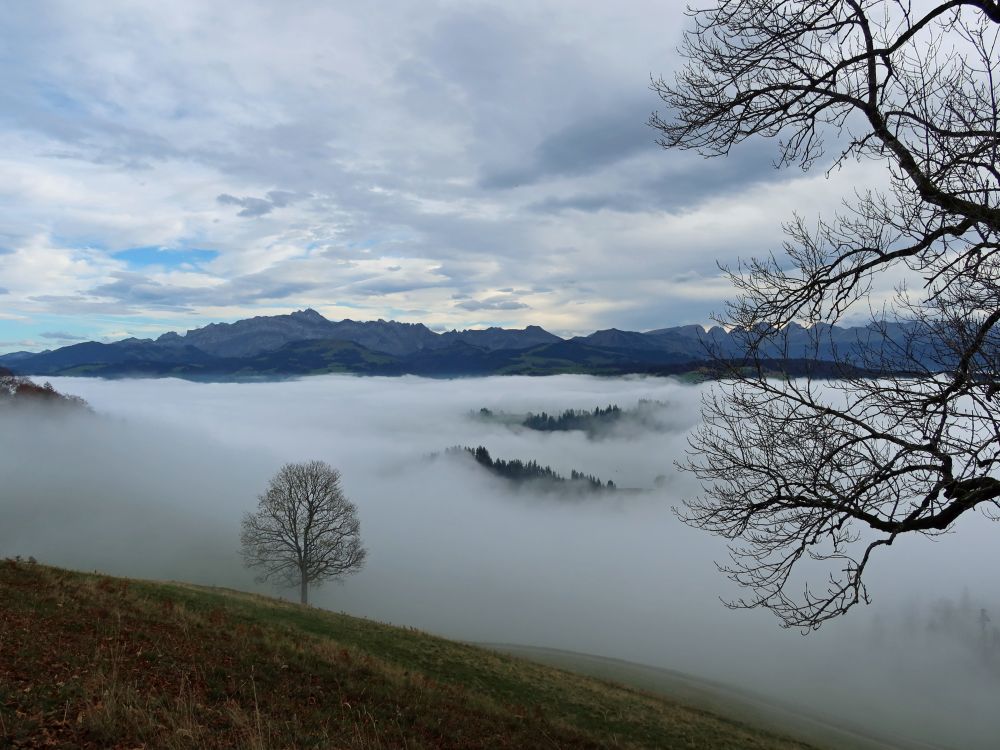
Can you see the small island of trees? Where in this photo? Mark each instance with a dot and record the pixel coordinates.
(572, 419)
(593, 422)
(523, 471)
(19, 390)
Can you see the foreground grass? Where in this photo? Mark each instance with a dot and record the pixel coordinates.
(90, 661)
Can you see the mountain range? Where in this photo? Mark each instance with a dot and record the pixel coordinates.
(305, 342)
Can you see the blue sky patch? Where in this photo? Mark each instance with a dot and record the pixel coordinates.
(144, 257)
(59, 100)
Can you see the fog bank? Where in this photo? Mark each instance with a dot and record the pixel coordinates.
(154, 485)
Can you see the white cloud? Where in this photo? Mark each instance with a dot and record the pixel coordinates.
(503, 143)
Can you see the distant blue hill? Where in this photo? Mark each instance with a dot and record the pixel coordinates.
(305, 342)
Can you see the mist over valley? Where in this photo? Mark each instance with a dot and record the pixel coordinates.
(153, 484)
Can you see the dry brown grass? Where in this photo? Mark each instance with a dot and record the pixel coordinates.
(96, 662)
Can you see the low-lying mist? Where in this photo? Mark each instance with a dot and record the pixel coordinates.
(154, 484)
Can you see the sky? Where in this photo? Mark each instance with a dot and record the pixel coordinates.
(154, 483)
(460, 164)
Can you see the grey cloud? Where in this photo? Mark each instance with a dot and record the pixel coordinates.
(552, 114)
(687, 178)
(78, 304)
(380, 285)
(61, 336)
(479, 99)
(282, 198)
(666, 312)
(97, 139)
(582, 147)
(595, 142)
(137, 289)
(260, 287)
(485, 53)
(260, 206)
(466, 271)
(88, 128)
(492, 303)
(626, 202)
(679, 180)
(336, 255)
(26, 344)
(295, 154)
(4, 290)
(250, 206)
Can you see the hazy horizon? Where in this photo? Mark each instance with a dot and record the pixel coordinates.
(153, 334)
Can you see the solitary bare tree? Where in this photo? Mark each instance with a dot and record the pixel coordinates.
(305, 530)
(808, 479)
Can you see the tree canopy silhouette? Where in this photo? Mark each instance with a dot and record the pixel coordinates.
(305, 529)
(808, 479)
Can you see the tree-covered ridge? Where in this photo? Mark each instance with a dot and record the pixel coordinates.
(524, 471)
(16, 389)
(572, 419)
(591, 422)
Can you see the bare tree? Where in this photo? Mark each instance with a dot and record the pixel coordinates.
(305, 530)
(809, 479)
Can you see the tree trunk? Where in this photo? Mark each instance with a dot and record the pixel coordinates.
(304, 590)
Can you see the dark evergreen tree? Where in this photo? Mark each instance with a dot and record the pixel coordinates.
(521, 471)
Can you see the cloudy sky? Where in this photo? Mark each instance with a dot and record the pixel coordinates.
(462, 164)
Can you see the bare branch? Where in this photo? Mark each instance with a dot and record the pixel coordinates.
(800, 476)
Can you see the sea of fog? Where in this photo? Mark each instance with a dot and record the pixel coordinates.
(154, 484)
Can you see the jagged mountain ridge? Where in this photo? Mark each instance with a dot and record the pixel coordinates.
(494, 338)
(254, 336)
(306, 342)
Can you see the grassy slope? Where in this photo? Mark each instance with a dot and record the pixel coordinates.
(753, 709)
(90, 661)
